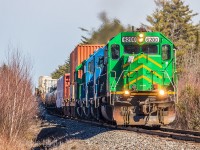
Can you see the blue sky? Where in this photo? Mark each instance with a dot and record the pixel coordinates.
(47, 30)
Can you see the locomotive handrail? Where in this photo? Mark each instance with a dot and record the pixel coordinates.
(169, 62)
(89, 73)
(174, 86)
(175, 76)
(94, 84)
(103, 74)
(86, 96)
(118, 78)
(99, 69)
(100, 72)
(114, 78)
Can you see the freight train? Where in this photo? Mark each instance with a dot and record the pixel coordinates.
(129, 81)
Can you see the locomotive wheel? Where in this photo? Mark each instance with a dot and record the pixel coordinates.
(87, 112)
(107, 112)
(79, 112)
(95, 112)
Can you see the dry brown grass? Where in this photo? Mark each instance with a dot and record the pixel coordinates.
(18, 144)
(22, 143)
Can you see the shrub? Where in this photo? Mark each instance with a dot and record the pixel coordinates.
(188, 106)
(17, 102)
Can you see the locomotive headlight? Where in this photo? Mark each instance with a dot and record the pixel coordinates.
(141, 35)
(126, 92)
(140, 38)
(161, 92)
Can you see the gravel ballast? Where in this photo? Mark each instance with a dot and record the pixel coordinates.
(63, 133)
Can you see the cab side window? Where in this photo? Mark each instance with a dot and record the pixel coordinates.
(115, 50)
(166, 49)
(100, 62)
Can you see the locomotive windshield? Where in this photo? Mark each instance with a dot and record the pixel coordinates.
(131, 49)
(150, 49)
(135, 49)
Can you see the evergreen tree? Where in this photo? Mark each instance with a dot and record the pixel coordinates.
(62, 69)
(174, 19)
(198, 37)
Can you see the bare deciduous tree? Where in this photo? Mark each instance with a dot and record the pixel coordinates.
(17, 102)
(188, 108)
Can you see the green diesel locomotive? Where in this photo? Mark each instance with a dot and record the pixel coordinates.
(130, 81)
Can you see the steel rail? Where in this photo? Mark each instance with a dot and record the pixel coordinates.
(177, 134)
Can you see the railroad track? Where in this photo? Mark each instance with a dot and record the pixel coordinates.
(186, 135)
(170, 133)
